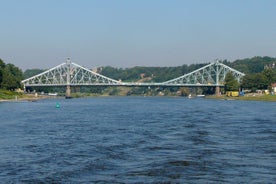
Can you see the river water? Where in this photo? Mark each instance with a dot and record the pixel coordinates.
(138, 140)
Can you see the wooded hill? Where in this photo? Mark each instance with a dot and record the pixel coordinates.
(160, 74)
(251, 65)
(260, 73)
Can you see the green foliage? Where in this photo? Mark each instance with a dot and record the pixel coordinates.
(10, 76)
(252, 65)
(2, 66)
(184, 91)
(269, 75)
(254, 82)
(6, 94)
(32, 72)
(160, 74)
(258, 74)
(231, 84)
(260, 80)
(153, 74)
(114, 91)
(208, 90)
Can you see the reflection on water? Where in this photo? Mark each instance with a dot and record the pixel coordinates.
(136, 139)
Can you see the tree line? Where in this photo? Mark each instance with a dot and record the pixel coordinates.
(261, 80)
(10, 76)
(260, 73)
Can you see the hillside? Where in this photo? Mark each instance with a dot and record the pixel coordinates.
(251, 65)
(160, 74)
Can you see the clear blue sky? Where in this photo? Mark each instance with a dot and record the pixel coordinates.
(127, 33)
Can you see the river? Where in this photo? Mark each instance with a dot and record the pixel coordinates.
(138, 140)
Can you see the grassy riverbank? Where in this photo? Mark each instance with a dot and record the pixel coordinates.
(256, 97)
(9, 95)
(6, 95)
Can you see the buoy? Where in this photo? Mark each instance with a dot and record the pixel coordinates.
(57, 105)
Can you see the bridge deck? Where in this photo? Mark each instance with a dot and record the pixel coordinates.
(130, 84)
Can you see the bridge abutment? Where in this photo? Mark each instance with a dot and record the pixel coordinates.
(68, 87)
(68, 92)
(217, 90)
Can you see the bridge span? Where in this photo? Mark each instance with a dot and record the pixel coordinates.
(71, 74)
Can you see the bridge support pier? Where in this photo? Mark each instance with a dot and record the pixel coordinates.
(217, 90)
(68, 92)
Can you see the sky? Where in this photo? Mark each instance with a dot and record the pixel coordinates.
(126, 33)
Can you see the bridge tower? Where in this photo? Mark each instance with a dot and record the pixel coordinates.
(217, 78)
(68, 86)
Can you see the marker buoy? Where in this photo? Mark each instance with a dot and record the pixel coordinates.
(57, 105)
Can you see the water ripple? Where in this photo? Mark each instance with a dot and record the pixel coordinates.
(138, 140)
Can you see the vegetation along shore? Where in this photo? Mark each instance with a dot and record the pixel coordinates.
(250, 96)
(259, 83)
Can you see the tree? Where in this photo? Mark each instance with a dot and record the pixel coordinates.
(11, 77)
(184, 91)
(2, 66)
(260, 81)
(254, 82)
(231, 84)
(248, 81)
(270, 76)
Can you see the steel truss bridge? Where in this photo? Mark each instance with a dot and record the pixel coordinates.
(71, 74)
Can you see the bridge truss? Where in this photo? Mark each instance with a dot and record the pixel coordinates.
(69, 74)
(212, 74)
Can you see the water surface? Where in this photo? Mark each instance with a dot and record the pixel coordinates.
(138, 140)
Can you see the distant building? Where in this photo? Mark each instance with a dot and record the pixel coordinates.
(142, 75)
(273, 87)
(18, 90)
(270, 66)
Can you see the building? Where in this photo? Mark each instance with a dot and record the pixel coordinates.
(273, 87)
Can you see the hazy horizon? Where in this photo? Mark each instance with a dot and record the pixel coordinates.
(123, 34)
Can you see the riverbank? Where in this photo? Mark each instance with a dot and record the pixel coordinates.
(12, 96)
(30, 98)
(15, 96)
(248, 97)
